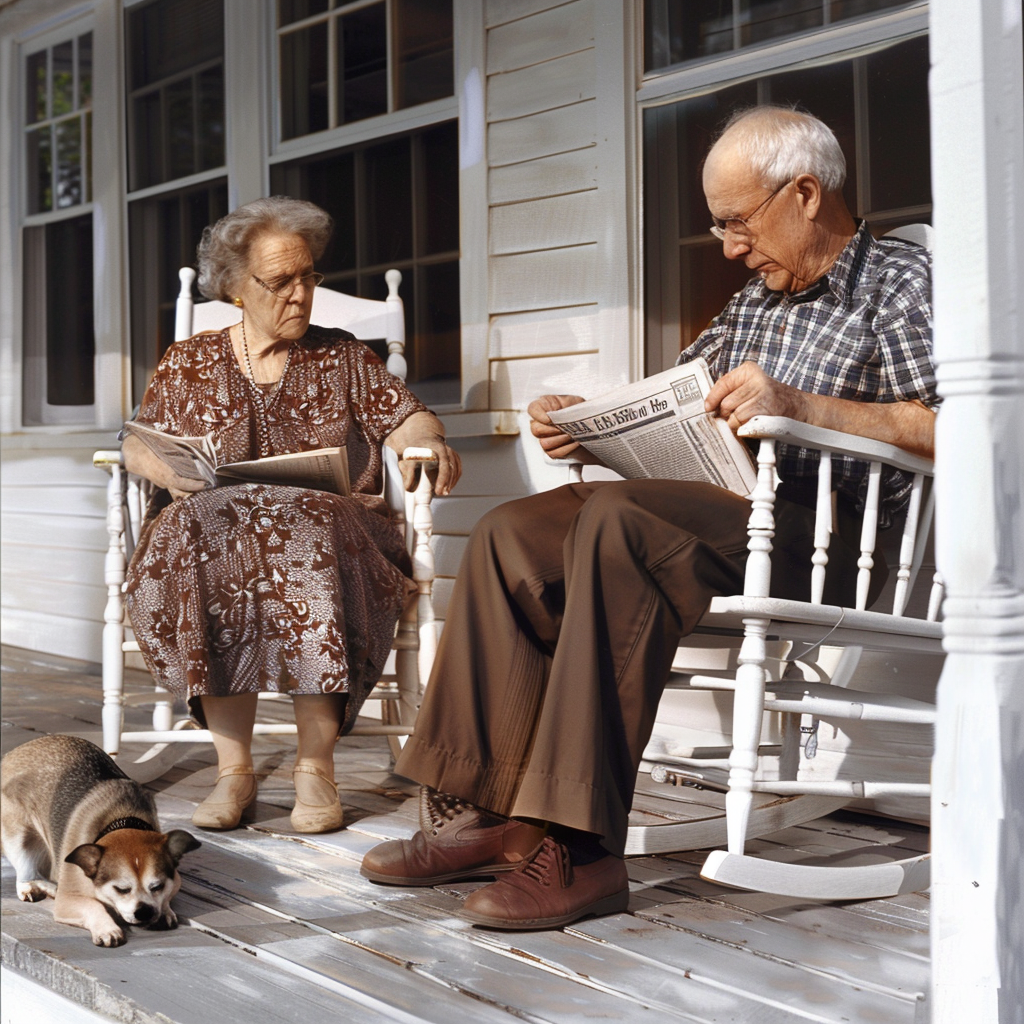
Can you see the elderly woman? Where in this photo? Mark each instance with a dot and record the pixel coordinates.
(237, 590)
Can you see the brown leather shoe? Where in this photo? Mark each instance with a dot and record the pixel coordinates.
(547, 891)
(456, 840)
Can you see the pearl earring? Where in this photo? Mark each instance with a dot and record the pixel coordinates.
(238, 301)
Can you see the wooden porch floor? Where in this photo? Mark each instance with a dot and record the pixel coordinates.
(275, 928)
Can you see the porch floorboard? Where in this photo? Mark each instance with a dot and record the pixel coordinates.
(278, 928)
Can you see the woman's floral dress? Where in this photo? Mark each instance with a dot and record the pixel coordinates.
(257, 587)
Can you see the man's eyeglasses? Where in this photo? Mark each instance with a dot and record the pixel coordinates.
(740, 225)
(285, 286)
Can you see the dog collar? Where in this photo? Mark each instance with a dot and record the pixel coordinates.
(129, 822)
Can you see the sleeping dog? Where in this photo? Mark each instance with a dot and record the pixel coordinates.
(76, 828)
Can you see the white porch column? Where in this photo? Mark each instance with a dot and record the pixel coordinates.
(977, 122)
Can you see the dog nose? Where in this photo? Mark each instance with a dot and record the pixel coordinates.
(144, 912)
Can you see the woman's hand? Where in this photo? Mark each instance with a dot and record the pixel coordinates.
(138, 459)
(424, 430)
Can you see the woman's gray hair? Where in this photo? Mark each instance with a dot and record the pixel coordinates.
(223, 251)
(782, 143)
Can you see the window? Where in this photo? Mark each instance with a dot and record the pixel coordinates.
(676, 31)
(59, 346)
(344, 62)
(175, 57)
(163, 234)
(877, 104)
(395, 204)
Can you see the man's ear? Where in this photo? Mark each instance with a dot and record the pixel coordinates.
(809, 194)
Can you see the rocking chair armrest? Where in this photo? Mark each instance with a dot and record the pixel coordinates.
(106, 459)
(790, 431)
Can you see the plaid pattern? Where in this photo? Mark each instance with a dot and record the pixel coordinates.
(863, 332)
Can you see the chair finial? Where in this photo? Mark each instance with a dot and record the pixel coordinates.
(394, 279)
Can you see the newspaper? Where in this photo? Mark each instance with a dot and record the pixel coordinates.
(195, 458)
(657, 427)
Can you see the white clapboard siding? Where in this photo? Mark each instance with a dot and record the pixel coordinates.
(543, 280)
(516, 382)
(544, 223)
(554, 175)
(554, 131)
(538, 36)
(27, 559)
(500, 12)
(547, 86)
(544, 332)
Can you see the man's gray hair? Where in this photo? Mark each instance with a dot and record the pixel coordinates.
(781, 143)
(223, 251)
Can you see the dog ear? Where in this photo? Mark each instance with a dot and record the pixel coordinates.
(179, 842)
(87, 857)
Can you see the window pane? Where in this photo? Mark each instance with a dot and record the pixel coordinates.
(840, 10)
(210, 124)
(295, 10)
(69, 162)
(827, 92)
(388, 202)
(330, 183)
(168, 37)
(35, 87)
(85, 70)
(899, 135)
(435, 353)
(707, 280)
(362, 64)
(88, 156)
(439, 216)
(675, 32)
(40, 170)
(180, 128)
(163, 234)
(63, 79)
(770, 19)
(304, 82)
(147, 142)
(70, 342)
(423, 51)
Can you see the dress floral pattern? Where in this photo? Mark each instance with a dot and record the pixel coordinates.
(257, 587)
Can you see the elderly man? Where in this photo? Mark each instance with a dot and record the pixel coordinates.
(570, 603)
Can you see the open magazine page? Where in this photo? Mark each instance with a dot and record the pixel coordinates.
(657, 427)
(324, 469)
(192, 458)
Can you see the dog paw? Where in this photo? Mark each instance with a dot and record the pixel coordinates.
(169, 920)
(110, 937)
(34, 891)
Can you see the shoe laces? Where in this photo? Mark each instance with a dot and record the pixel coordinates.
(545, 863)
(439, 808)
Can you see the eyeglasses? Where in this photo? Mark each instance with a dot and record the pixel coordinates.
(741, 225)
(285, 286)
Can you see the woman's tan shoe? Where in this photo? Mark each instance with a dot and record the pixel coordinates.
(228, 805)
(325, 816)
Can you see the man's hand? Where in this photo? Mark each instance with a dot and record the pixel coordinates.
(748, 391)
(555, 442)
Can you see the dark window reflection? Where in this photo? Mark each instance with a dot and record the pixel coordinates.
(423, 51)
(70, 340)
(362, 64)
(388, 186)
(295, 10)
(304, 107)
(39, 152)
(35, 87)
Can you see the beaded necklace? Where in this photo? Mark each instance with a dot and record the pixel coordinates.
(259, 399)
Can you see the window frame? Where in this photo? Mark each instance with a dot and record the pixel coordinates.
(47, 418)
(839, 42)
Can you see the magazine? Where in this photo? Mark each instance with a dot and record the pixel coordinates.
(195, 458)
(657, 427)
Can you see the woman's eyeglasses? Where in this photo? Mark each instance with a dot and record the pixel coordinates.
(285, 286)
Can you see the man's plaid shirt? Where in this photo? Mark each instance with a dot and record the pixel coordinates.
(863, 332)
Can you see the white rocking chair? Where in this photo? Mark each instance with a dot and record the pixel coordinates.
(400, 689)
